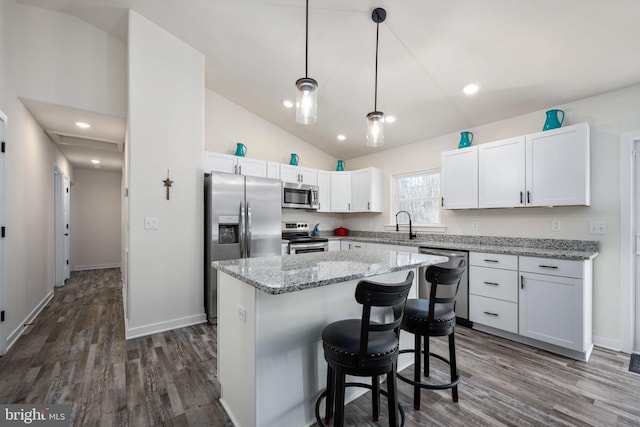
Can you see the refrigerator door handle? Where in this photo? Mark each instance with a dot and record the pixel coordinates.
(248, 230)
(241, 237)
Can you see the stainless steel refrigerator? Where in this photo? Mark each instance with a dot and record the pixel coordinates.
(242, 220)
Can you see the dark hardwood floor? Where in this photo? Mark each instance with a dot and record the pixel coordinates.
(75, 353)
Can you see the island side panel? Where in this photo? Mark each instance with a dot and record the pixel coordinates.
(290, 365)
(236, 349)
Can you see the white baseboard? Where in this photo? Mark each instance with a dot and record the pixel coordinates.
(11, 339)
(95, 266)
(141, 331)
(607, 343)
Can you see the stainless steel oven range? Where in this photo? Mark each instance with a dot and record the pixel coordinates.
(300, 242)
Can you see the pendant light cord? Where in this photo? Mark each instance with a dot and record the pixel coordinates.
(375, 97)
(306, 45)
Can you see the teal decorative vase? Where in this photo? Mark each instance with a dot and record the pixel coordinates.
(294, 159)
(554, 120)
(466, 138)
(340, 166)
(241, 149)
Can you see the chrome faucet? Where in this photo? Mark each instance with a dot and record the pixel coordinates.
(411, 234)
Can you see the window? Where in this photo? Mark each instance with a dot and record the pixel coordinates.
(419, 194)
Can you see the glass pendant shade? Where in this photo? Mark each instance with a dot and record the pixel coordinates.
(306, 101)
(375, 129)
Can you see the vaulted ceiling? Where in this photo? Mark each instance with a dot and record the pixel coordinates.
(526, 56)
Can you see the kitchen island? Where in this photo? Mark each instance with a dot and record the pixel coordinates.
(271, 312)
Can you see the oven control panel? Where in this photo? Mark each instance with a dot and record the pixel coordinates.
(295, 226)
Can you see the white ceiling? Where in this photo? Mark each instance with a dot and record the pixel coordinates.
(526, 55)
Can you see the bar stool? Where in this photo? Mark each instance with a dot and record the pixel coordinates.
(365, 348)
(434, 317)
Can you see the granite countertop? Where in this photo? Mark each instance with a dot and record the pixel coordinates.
(290, 273)
(577, 250)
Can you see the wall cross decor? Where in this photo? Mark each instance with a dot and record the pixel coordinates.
(167, 183)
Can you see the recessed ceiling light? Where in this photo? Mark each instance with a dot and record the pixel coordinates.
(95, 161)
(341, 137)
(83, 125)
(390, 119)
(471, 88)
(287, 103)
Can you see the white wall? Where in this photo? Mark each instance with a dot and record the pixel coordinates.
(166, 131)
(60, 59)
(97, 218)
(608, 115)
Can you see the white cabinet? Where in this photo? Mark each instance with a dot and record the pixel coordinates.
(557, 170)
(501, 173)
(556, 301)
(346, 245)
(334, 245)
(219, 162)
(366, 190)
(324, 191)
(493, 290)
(549, 168)
(459, 178)
(273, 170)
(341, 191)
(298, 174)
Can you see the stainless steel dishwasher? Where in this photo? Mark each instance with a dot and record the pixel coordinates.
(462, 300)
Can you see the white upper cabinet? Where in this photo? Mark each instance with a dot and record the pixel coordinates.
(298, 174)
(501, 173)
(273, 170)
(341, 191)
(219, 162)
(557, 171)
(459, 178)
(324, 191)
(366, 190)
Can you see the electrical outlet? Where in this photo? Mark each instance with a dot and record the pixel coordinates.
(597, 227)
(242, 313)
(555, 225)
(475, 225)
(150, 223)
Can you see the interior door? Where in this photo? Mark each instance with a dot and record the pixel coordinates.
(66, 217)
(636, 311)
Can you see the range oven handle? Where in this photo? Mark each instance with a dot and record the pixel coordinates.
(297, 246)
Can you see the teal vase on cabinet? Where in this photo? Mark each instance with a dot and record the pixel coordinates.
(340, 166)
(294, 159)
(241, 149)
(554, 120)
(466, 138)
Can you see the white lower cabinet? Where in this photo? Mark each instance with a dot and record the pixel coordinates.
(539, 301)
(555, 307)
(334, 245)
(493, 290)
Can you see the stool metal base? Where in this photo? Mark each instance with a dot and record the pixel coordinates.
(454, 381)
(363, 385)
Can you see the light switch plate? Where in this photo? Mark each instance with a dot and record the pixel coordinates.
(555, 225)
(150, 223)
(474, 226)
(597, 227)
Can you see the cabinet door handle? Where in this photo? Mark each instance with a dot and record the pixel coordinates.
(521, 199)
(349, 206)
(368, 206)
(492, 283)
(240, 170)
(521, 282)
(528, 197)
(553, 267)
(235, 169)
(442, 201)
(491, 314)
(490, 260)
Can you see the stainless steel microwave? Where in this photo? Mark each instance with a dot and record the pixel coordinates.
(300, 196)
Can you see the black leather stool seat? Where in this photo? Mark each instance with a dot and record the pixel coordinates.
(341, 342)
(416, 318)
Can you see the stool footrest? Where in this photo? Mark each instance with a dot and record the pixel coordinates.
(452, 384)
(352, 384)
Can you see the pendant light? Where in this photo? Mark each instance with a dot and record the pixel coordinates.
(307, 94)
(375, 119)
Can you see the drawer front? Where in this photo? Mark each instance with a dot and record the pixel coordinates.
(494, 283)
(481, 259)
(495, 313)
(552, 267)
